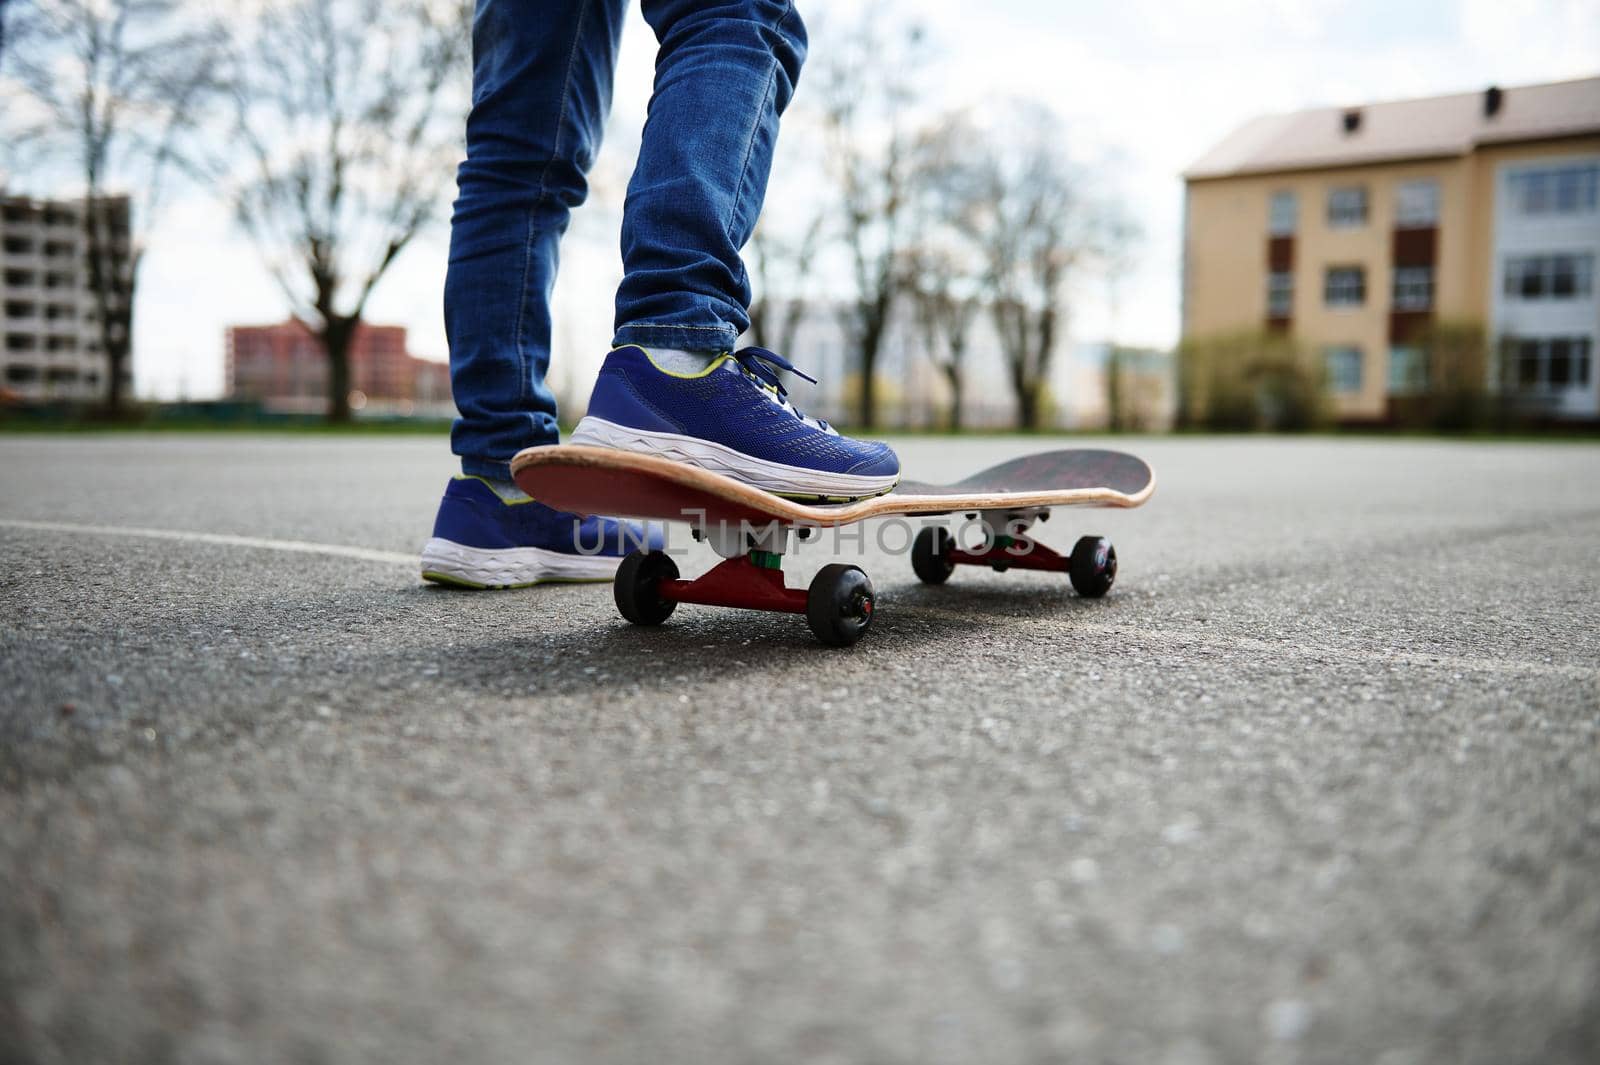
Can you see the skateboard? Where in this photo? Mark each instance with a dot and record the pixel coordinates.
(752, 529)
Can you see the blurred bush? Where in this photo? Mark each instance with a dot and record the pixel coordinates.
(1249, 381)
(1457, 397)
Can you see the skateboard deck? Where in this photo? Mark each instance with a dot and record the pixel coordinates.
(594, 480)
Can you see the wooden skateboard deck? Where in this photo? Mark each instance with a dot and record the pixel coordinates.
(593, 480)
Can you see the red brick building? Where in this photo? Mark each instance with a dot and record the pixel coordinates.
(283, 366)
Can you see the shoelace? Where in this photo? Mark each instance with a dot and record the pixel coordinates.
(764, 365)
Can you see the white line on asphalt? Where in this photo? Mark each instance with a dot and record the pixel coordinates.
(300, 547)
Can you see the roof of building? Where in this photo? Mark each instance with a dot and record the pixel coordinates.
(1403, 129)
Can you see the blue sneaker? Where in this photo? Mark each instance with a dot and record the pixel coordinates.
(483, 539)
(733, 418)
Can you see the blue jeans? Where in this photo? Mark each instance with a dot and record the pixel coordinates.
(542, 75)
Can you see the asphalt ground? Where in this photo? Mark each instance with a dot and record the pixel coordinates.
(1318, 782)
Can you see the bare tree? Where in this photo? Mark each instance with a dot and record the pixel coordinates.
(13, 127)
(945, 309)
(3, 5)
(117, 88)
(1035, 224)
(351, 112)
(783, 273)
(944, 269)
(867, 91)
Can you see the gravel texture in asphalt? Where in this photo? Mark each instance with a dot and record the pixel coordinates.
(1319, 781)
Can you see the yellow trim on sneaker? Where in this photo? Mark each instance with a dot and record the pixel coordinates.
(490, 485)
(718, 361)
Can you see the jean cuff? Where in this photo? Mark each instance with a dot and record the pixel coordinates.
(494, 471)
(720, 337)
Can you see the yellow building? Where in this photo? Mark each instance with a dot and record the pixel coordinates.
(1353, 229)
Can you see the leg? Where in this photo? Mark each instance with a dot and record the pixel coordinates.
(542, 73)
(672, 386)
(725, 73)
(541, 76)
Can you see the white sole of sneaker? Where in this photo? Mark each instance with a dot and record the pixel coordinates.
(447, 562)
(774, 477)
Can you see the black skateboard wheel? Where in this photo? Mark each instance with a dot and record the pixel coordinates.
(930, 555)
(1092, 566)
(640, 574)
(839, 604)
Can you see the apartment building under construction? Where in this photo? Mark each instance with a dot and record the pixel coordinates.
(50, 339)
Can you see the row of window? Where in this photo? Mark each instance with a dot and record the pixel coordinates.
(1534, 192)
(31, 342)
(1555, 190)
(53, 312)
(28, 279)
(21, 373)
(53, 249)
(1527, 277)
(1416, 207)
(17, 214)
(1530, 364)
(1549, 277)
(58, 214)
(1346, 286)
(1539, 364)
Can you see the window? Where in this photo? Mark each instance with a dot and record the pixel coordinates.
(61, 375)
(19, 278)
(21, 373)
(1343, 368)
(1571, 276)
(1280, 294)
(21, 342)
(1408, 371)
(1283, 214)
(1347, 207)
(1549, 277)
(1345, 286)
(1413, 288)
(57, 249)
(1416, 205)
(1567, 363)
(18, 245)
(21, 309)
(1555, 190)
(1544, 364)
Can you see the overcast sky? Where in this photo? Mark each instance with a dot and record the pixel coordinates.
(1146, 86)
